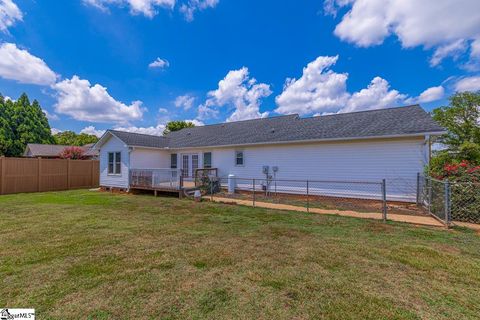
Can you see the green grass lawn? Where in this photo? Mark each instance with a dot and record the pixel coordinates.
(92, 255)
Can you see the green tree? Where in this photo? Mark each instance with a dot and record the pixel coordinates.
(461, 119)
(6, 133)
(24, 122)
(70, 138)
(177, 125)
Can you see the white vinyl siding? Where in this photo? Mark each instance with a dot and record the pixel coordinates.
(120, 180)
(142, 158)
(396, 160)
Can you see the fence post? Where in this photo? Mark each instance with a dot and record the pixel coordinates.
(93, 174)
(447, 203)
(2, 173)
(211, 190)
(418, 188)
(68, 174)
(308, 198)
(254, 193)
(429, 195)
(39, 174)
(384, 200)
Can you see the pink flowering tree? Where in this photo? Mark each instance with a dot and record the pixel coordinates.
(74, 153)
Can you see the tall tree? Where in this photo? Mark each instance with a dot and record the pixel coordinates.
(462, 120)
(27, 123)
(70, 138)
(177, 125)
(6, 133)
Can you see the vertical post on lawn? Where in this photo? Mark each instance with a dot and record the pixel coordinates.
(254, 193)
(68, 174)
(2, 173)
(211, 190)
(447, 203)
(92, 176)
(308, 198)
(418, 188)
(39, 173)
(429, 195)
(384, 200)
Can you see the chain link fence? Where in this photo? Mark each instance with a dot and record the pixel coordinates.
(449, 201)
(359, 196)
(465, 202)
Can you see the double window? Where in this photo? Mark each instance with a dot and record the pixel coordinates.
(239, 158)
(114, 163)
(207, 160)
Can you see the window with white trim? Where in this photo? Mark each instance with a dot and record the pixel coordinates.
(207, 160)
(173, 161)
(239, 158)
(114, 163)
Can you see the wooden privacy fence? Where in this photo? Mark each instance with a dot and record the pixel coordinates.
(19, 175)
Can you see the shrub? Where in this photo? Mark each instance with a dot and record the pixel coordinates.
(465, 190)
(74, 153)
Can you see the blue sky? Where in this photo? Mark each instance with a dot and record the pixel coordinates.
(91, 63)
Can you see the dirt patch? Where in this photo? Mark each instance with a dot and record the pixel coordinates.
(328, 203)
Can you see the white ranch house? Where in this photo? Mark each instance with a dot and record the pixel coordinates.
(392, 144)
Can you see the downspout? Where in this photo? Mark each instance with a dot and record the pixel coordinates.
(428, 151)
(130, 149)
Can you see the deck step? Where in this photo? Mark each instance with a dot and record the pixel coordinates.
(189, 192)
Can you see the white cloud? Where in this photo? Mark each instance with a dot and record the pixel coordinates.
(50, 116)
(189, 8)
(159, 63)
(92, 131)
(445, 25)
(186, 101)
(9, 14)
(319, 89)
(454, 50)
(82, 101)
(206, 112)
(55, 131)
(237, 89)
(20, 65)
(196, 122)
(154, 131)
(431, 94)
(146, 7)
(468, 84)
(377, 95)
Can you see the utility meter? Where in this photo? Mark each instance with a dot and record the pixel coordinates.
(265, 169)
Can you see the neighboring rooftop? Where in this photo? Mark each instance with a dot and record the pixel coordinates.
(53, 150)
(399, 121)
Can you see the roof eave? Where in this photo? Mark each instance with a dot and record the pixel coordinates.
(419, 134)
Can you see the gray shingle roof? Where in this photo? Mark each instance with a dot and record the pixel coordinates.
(141, 140)
(53, 150)
(376, 123)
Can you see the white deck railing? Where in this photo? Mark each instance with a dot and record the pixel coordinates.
(161, 179)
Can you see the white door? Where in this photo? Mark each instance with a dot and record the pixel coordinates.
(189, 165)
